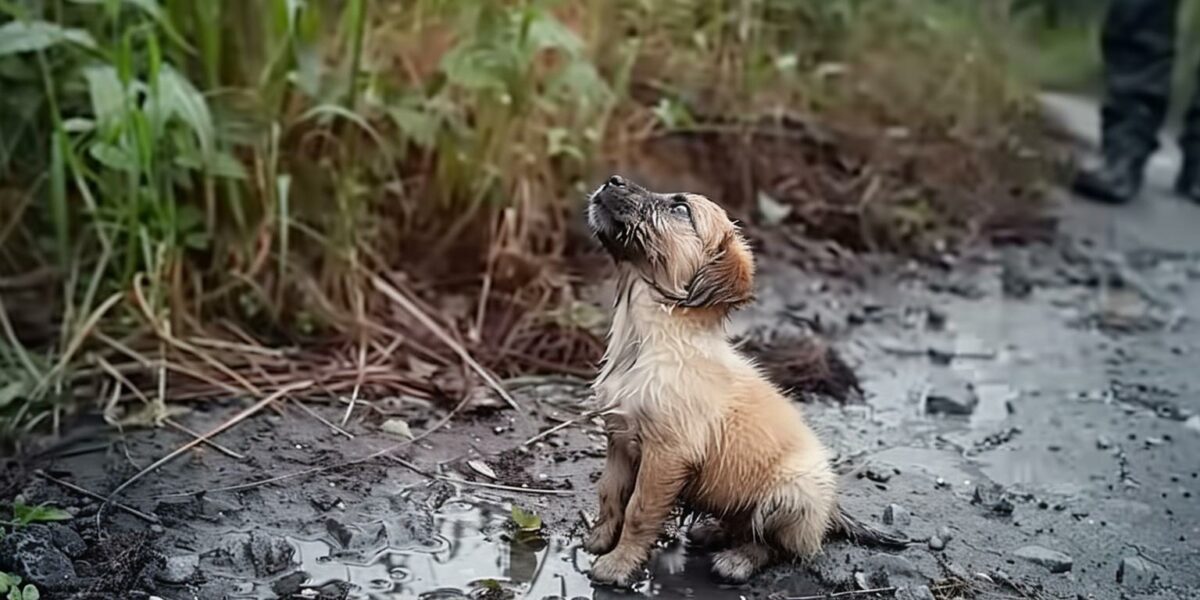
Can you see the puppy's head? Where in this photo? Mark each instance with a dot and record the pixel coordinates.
(683, 245)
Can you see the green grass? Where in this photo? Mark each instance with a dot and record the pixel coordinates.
(182, 163)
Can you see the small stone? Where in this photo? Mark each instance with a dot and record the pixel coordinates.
(31, 553)
(950, 395)
(894, 514)
(1054, 561)
(920, 592)
(994, 498)
(156, 529)
(1104, 442)
(1193, 423)
(289, 585)
(878, 474)
(1136, 573)
(179, 569)
(884, 570)
(66, 540)
(937, 543)
(945, 533)
(940, 482)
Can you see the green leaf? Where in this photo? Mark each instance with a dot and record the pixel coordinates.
(21, 36)
(8, 581)
(546, 32)
(155, 12)
(179, 98)
(418, 126)
(106, 92)
(526, 521)
(30, 593)
(113, 157)
(220, 164)
(25, 514)
(78, 125)
(12, 391)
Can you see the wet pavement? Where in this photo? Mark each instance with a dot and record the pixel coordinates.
(1030, 420)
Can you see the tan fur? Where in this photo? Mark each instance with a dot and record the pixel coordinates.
(692, 420)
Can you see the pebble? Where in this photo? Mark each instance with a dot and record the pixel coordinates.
(993, 498)
(936, 543)
(945, 533)
(1104, 442)
(1136, 573)
(950, 395)
(878, 474)
(921, 592)
(1054, 561)
(32, 552)
(1193, 423)
(179, 569)
(884, 570)
(894, 514)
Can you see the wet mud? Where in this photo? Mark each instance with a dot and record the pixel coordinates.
(1028, 416)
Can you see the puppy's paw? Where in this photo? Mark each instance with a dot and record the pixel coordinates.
(738, 564)
(602, 538)
(707, 536)
(617, 568)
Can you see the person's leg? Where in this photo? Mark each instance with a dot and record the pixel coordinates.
(1188, 184)
(1138, 46)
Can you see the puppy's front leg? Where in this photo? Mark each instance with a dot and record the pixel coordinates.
(615, 487)
(660, 477)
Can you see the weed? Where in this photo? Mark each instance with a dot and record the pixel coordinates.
(213, 184)
(10, 586)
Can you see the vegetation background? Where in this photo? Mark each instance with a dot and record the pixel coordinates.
(221, 197)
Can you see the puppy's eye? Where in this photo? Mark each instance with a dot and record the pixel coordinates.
(681, 209)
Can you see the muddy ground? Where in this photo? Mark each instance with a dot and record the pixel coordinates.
(1030, 418)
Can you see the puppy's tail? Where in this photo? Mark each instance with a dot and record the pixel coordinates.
(846, 525)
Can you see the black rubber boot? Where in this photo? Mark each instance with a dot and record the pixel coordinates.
(1138, 45)
(1117, 181)
(1188, 184)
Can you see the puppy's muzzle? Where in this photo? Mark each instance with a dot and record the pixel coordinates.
(614, 206)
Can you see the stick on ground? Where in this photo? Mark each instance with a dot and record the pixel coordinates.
(238, 418)
(94, 496)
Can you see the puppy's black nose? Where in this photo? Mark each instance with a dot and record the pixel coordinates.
(616, 181)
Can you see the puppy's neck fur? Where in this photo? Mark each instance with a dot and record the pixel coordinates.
(645, 322)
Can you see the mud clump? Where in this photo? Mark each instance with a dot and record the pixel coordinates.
(805, 365)
(1053, 560)
(257, 553)
(40, 555)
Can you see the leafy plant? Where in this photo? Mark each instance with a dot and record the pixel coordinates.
(24, 514)
(10, 585)
(526, 521)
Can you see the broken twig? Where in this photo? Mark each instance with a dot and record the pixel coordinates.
(94, 496)
(238, 418)
(411, 308)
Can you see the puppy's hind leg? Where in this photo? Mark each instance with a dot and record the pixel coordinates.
(738, 563)
(796, 516)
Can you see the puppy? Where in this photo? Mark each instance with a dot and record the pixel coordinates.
(688, 418)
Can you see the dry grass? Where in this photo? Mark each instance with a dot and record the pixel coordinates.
(445, 148)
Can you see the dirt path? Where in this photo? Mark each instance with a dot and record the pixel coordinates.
(1030, 420)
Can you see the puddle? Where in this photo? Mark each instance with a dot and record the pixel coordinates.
(474, 555)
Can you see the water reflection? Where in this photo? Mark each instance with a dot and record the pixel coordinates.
(476, 555)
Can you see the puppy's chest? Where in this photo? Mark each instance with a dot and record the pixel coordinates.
(659, 383)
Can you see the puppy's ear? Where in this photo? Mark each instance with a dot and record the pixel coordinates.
(727, 280)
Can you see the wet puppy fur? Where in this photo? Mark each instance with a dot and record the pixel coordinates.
(690, 420)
